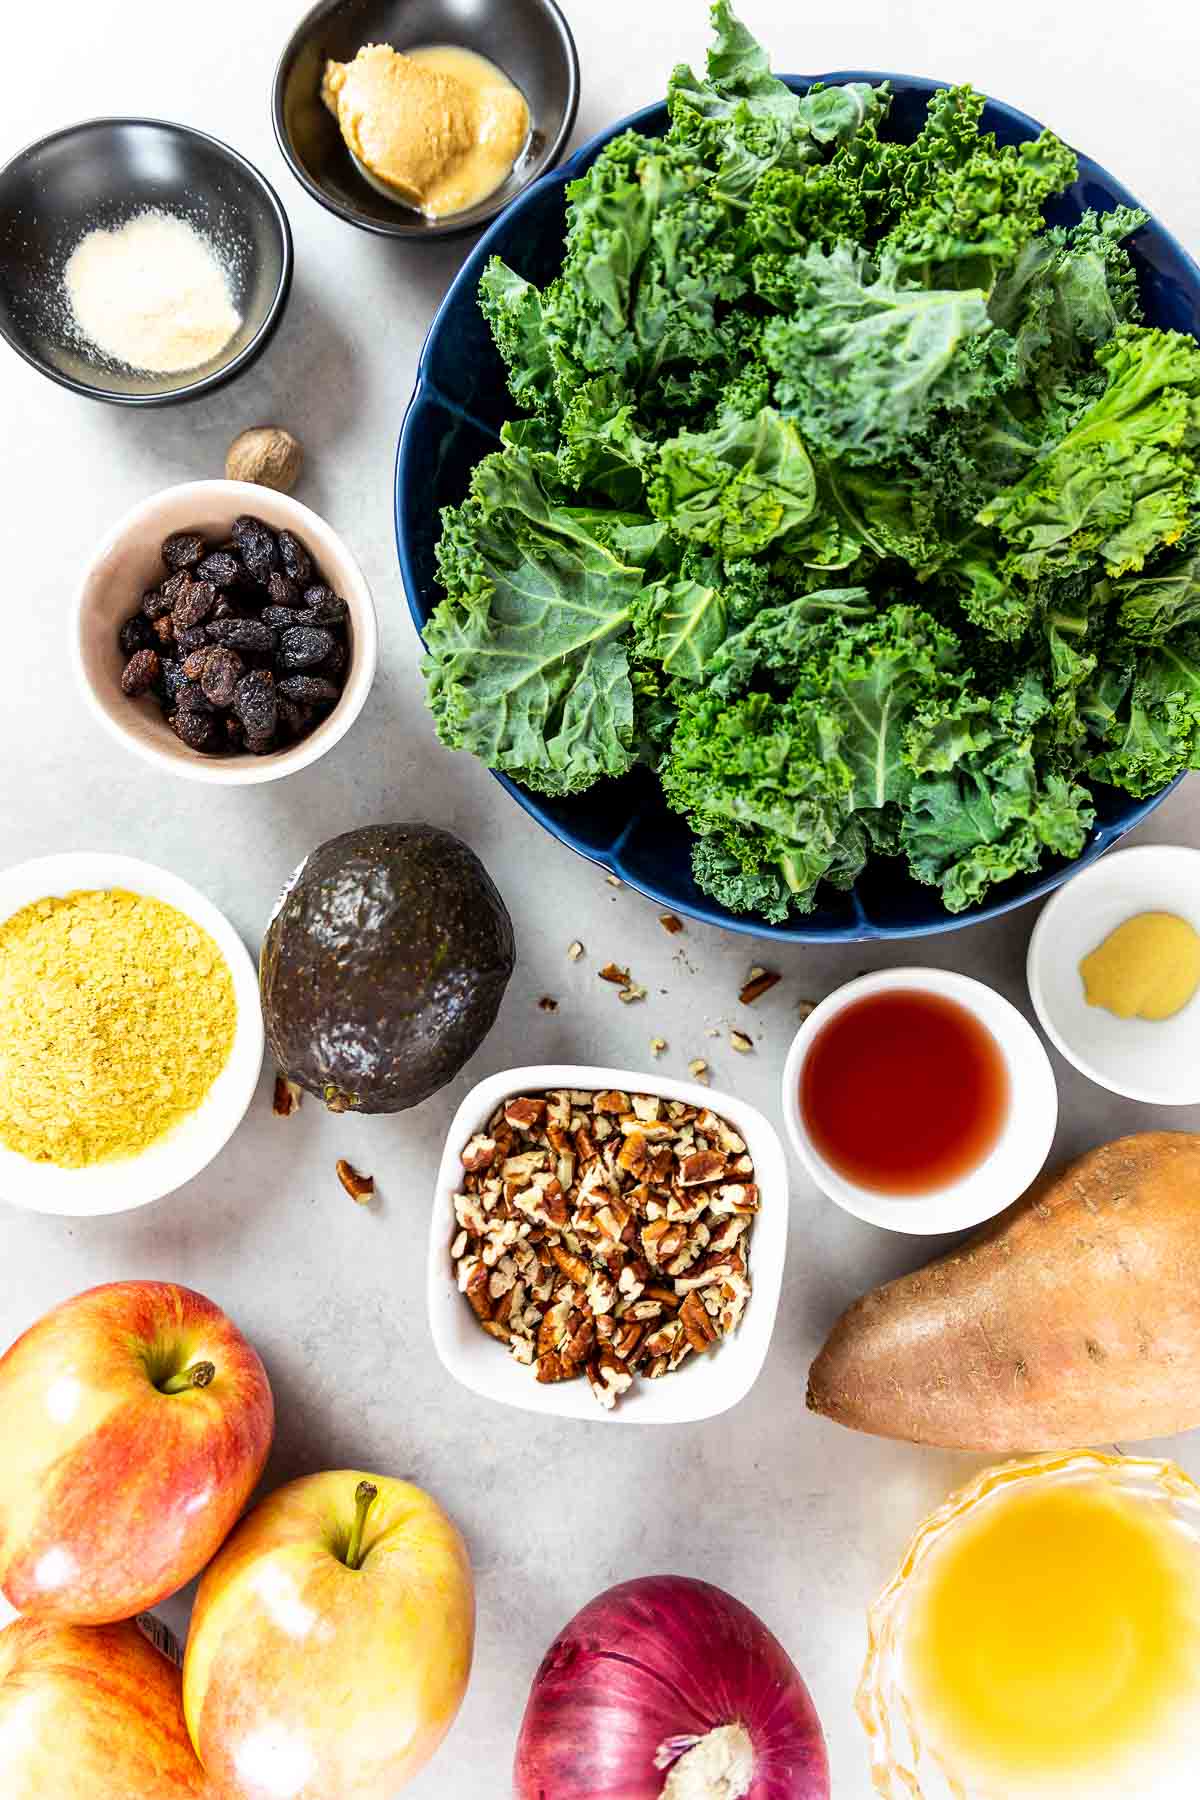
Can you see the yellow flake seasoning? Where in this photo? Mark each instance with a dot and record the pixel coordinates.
(117, 1014)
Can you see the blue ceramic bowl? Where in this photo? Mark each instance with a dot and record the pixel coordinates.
(453, 418)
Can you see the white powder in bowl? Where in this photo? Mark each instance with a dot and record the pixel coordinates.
(151, 294)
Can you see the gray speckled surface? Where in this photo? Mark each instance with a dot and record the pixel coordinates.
(803, 1521)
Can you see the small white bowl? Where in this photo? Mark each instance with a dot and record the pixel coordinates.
(1155, 1061)
(120, 1186)
(704, 1385)
(129, 561)
(1025, 1139)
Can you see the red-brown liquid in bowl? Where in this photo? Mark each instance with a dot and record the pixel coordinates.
(903, 1092)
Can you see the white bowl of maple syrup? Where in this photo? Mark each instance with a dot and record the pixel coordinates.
(919, 1100)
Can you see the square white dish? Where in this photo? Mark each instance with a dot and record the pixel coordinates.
(705, 1385)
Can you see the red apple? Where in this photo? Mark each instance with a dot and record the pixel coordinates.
(92, 1715)
(135, 1422)
(330, 1643)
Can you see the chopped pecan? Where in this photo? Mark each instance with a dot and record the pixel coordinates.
(701, 1167)
(287, 1097)
(699, 1328)
(359, 1187)
(525, 1115)
(609, 1377)
(758, 983)
(480, 1153)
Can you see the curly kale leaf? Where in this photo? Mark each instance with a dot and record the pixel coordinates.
(1121, 483)
(739, 487)
(763, 767)
(602, 451)
(742, 120)
(967, 206)
(524, 664)
(1159, 600)
(1065, 296)
(780, 640)
(780, 782)
(1152, 731)
(984, 805)
(866, 357)
(649, 259)
(513, 309)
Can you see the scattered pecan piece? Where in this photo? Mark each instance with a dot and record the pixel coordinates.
(287, 1097)
(758, 983)
(671, 922)
(618, 977)
(359, 1187)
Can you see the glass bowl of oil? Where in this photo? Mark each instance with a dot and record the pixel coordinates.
(1042, 1637)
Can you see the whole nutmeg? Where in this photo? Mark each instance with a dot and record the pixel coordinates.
(266, 454)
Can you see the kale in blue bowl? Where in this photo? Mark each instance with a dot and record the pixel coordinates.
(832, 565)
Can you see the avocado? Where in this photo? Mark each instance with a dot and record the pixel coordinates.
(384, 966)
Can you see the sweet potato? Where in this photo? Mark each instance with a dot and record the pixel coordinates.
(1073, 1318)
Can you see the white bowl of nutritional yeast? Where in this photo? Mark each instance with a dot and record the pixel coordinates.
(122, 1184)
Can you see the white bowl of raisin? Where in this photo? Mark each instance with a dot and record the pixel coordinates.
(225, 633)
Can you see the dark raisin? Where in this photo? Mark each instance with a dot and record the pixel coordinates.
(295, 558)
(140, 672)
(254, 704)
(171, 676)
(280, 617)
(195, 605)
(219, 567)
(195, 663)
(190, 697)
(221, 673)
(326, 607)
(187, 641)
(198, 730)
(155, 603)
(335, 663)
(303, 646)
(246, 525)
(290, 718)
(256, 547)
(183, 549)
(225, 608)
(242, 634)
(260, 746)
(312, 689)
(282, 591)
(135, 635)
(164, 630)
(176, 587)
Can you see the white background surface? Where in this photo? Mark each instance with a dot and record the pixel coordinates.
(802, 1521)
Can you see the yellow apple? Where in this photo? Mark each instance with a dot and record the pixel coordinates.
(135, 1421)
(92, 1714)
(331, 1642)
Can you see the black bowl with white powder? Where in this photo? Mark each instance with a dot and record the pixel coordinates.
(141, 262)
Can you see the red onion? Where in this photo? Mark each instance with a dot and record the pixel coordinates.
(669, 1689)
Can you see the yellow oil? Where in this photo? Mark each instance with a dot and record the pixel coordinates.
(1057, 1629)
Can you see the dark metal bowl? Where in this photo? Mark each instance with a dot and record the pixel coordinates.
(529, 39)
(454, 418)
(101, 173)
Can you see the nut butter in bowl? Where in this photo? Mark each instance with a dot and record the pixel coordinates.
(424, 122)
(437, 128)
